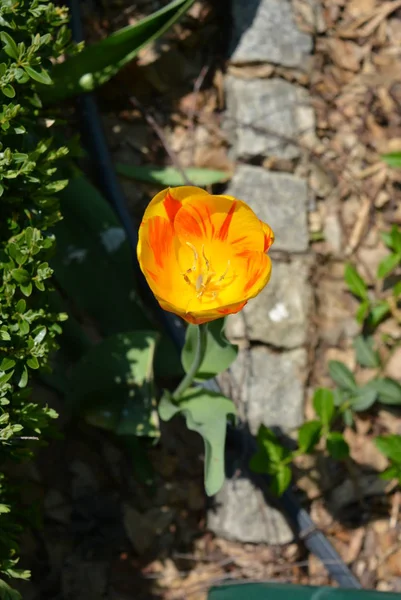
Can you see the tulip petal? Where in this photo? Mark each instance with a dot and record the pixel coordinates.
(165, 203)
(257, 274)
(221, 218)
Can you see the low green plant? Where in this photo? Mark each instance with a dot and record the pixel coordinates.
(335, 408)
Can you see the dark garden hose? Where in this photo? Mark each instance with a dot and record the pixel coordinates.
(95, 142)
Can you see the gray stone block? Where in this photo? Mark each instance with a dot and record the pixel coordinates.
(279, 315)
(278, 199)
(267, 118)
(270, 389)
(265, 31)
(270, 386)
(241, 514)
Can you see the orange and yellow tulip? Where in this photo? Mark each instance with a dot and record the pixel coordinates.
(203, 256)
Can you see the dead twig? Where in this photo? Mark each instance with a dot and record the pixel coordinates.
(159, 132)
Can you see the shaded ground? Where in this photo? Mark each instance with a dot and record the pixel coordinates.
(107, 534)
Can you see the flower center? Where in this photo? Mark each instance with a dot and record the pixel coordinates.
(205, 282)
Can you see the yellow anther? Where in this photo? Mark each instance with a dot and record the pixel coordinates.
(196, 257)
(225, 272)
(199, 283)
(204, 258)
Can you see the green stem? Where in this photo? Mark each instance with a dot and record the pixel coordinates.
(187, 381)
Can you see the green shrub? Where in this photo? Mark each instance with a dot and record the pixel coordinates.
(32, 34)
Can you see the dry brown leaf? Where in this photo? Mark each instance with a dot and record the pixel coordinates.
(251, 71)
(360, 8)
(359, 227)
(369, 22)
(355, 545)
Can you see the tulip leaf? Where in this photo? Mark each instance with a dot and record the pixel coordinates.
(99, 62)
(172, 177)
(206, 413)
(219, 355)
(93, 262)
(112, 385)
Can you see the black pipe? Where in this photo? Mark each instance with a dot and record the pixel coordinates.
(95, 140)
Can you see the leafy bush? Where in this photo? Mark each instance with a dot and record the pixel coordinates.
(32, 33)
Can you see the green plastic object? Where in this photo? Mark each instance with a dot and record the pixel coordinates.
(280, 591)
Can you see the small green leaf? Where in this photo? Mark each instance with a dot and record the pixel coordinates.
(33, 362)
(206, 413)
(393, 472)
(323, 403)
(219, 355)
(364, 398)
(9, 46)
(40, 76)
(342, 376)
(172, 177)
(388, 265)
(390, 446)
(270, 451)
(7, 593)
(280, 479)
(26, 289)
(388, 390)
(378, 312)
(336, 445)
(365, 353)
(20, 275)
(397, 289)
(395, 235)
(8, 90)
(363, 311)
(7, 363)
(355, 282)
(393, 159)
(348, 417)
(309, 435)
(24, 378)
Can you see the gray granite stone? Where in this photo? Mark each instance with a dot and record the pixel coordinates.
(241, 514)
(265, 31)
(267, 117)
(271, 387)
(278, 199)
(279, 315)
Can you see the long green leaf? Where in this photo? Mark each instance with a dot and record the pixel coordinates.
(112, 385)
(97, 63)
(93, 262)
(205, 412)
(219, 355)
(170, 176)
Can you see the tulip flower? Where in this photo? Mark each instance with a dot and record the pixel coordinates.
(203, 255)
